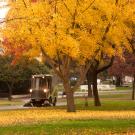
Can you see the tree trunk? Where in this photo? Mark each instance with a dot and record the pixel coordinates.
(90, 94)
(95, 91)
(10, 94)
(118, 81)
(69, 97)
(10, 87)
(70, 101)
(10, 90)
(133, 91)
(89, 81)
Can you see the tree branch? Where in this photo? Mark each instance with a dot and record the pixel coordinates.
(12, 19)
(67, 8)
(116, 2)
(59, 61)
(106, 66)
(24, 3)
(88, 6)
(52, 63)
(106, 31)
(83, 72)
(131, 42)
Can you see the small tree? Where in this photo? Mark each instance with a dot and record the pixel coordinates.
(123, 67)
(118, 70)
(9, 73)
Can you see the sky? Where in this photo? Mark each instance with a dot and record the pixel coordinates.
(3, 9)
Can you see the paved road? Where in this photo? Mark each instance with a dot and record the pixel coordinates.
(15, 107)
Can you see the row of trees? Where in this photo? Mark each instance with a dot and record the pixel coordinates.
(86, 34)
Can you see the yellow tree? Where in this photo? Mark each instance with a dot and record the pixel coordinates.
(105, 60)
(68, 32)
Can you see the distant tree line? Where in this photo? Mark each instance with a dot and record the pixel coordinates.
(15, 78)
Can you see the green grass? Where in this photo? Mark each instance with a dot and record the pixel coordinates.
(123, 88)
(111, 105)
(125, 96)
(109, 102)
(5, 102)
(70, 127)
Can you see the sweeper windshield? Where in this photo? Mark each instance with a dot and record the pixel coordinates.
(41, 82)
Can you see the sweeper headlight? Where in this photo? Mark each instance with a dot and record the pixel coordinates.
(45, 90)
(30, 90)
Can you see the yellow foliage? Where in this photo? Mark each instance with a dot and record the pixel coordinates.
(76, 28)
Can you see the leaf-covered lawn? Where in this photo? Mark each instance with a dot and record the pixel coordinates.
(46, 115)
(113, 117)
